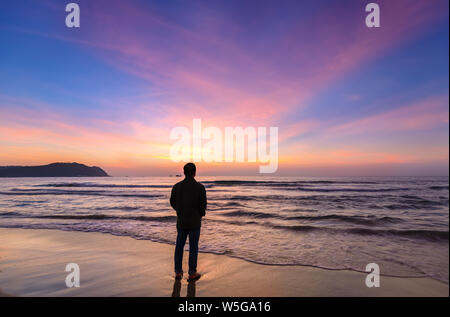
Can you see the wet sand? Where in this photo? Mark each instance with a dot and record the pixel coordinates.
(32, 263)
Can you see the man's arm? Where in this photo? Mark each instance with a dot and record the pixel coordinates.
(203, 201)
(173, 199)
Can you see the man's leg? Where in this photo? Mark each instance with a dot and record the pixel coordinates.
(179, 248)
(194, 236)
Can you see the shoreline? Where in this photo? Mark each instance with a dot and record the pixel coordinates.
(244, 259)
(32, 263)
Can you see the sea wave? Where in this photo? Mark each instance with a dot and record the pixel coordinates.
(331, 222)
(284, 183)
(358, 190)
(97, 185)
(369, 221)
(91, 217)
(37, 192)
(431, 235)
(438, 187)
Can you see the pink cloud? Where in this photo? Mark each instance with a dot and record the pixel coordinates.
(196, 66)
(422, 115)
(200, 73)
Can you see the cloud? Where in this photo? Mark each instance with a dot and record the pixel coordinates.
(194, 65)
(422, 115)
(228, 69)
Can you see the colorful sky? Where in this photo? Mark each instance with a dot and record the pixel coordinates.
(348, 100)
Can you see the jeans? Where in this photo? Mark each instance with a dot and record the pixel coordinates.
(194, 236)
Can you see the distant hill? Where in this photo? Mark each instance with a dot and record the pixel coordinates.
(52, 170)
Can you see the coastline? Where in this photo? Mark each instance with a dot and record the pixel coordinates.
(33, 261)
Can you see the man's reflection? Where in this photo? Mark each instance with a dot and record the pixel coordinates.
(191, 289)
(177, 289)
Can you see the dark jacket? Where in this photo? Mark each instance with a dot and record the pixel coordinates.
(188, 198)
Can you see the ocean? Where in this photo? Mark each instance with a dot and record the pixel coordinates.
(400, 223)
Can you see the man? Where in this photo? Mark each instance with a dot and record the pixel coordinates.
(188, 198)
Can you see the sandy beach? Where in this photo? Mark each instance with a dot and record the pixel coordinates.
(32, 263)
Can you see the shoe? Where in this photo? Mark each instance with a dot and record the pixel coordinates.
(194, 277)
(179, 276)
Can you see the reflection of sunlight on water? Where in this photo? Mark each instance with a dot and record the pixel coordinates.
(268, 220)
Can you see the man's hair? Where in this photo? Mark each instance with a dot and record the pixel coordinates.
(189, 169)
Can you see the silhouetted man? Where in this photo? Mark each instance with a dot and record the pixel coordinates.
(188, 198)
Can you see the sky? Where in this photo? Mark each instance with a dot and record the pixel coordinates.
(347, 99)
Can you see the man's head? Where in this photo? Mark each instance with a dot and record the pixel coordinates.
(189, 170)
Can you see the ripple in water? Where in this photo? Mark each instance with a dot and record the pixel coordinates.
(335, 223)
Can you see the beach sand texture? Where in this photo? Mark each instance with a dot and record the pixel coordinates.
(32, 263)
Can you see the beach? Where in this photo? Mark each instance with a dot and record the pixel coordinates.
(33, 261)
(300, 147)
(399, 223)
